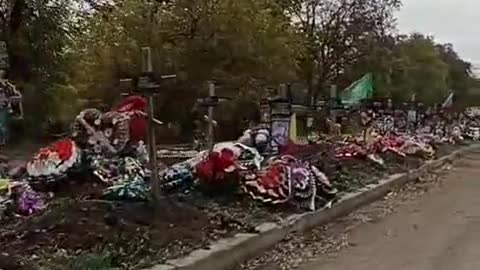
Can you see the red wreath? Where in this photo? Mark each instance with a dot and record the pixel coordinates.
(216, 166)
(63, 148)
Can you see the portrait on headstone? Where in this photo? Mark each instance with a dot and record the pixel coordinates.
(280, 130)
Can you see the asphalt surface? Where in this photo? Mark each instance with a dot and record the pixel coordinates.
(440, 231)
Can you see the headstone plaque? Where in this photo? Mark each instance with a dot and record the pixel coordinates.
(280, 122)
(280, 132)
(412, 116)
(388, 124)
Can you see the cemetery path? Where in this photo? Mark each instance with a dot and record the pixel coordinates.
(439, 231)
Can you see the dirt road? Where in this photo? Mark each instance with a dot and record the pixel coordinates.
(439, 231)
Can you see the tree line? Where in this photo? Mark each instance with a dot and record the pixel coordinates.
(65, 53)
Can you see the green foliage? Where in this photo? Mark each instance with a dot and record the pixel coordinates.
(38, 35)
(230, 41)
(337, 33)
(233, 42)
(418, 69)
(415, 64)
(65, 50)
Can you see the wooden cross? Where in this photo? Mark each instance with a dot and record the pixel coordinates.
(149, 87)
(211, 101)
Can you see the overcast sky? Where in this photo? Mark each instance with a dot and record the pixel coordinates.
(450, 21)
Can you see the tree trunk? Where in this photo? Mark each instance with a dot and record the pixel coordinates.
(18, 68)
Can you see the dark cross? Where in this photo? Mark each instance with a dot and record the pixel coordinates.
(149, 87)
(126, 88)
(211, 101)
(211, 122)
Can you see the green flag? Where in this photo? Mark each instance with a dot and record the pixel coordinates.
(358, 91)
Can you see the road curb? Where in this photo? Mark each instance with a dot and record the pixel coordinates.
(226, 253)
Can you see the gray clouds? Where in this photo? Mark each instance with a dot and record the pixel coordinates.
(449, 21)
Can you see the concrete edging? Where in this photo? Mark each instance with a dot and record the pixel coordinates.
(226, 253)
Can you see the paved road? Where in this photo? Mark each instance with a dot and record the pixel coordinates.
(439, 232)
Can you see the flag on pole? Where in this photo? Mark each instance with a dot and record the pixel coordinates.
(358, 91)
(448, 102)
